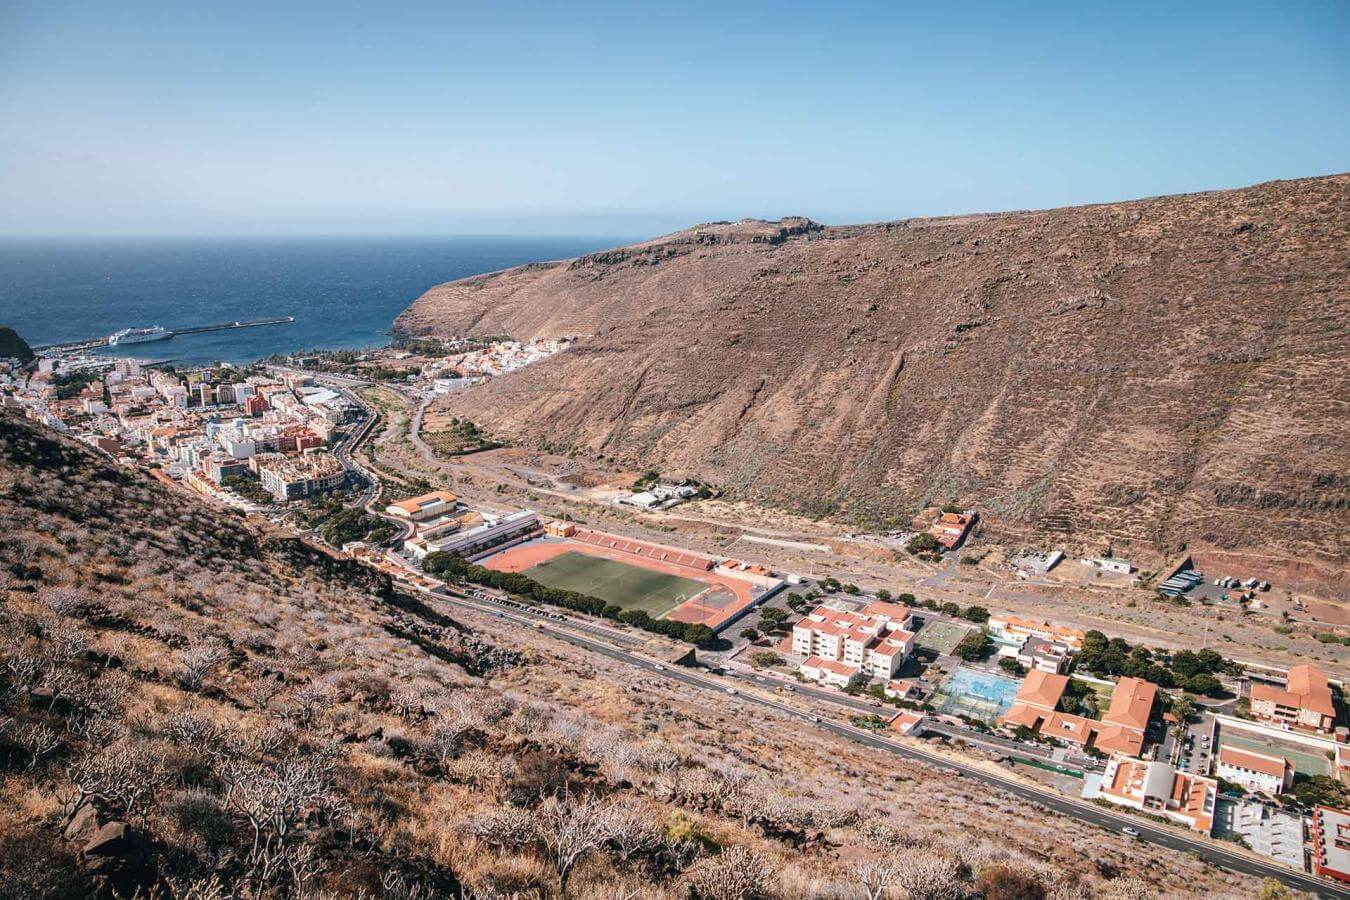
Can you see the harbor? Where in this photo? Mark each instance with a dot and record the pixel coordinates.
(142, 335)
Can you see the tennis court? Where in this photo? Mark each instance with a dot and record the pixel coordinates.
(979, 695)
(1307, 760)
(615, 582)
(940, 637)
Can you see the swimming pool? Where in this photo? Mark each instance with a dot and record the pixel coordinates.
(980, 695)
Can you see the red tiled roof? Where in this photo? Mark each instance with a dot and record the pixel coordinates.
(1131, 703)
(1042, 689)
(1264, 763)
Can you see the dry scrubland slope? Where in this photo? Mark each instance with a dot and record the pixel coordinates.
(1154, 372)
(186, 703)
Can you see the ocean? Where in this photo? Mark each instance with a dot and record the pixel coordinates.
(343, 292)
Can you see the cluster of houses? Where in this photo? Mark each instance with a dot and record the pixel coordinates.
(658, 496)
(199, 426)
(842, 648)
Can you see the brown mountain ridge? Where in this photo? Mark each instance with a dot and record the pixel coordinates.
(1158, 373)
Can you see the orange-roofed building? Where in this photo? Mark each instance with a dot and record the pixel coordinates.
(1158, 788)
(897, 611)
(828, 671)
(1329, 835)
(1305, 704)
(1042, 690)
(951, 529)
(1120, 731)
(1132, 703)
(1014, 630)
(427, 506)
(906, 722)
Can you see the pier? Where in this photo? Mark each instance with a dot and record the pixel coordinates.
(94, 343)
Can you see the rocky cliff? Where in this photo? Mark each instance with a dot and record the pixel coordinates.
(1156, 373)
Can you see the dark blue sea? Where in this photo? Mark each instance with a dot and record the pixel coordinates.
(343, 292)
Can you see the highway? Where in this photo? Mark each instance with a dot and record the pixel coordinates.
(1150, 830)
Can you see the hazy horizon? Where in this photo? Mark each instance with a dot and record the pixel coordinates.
(157, 120)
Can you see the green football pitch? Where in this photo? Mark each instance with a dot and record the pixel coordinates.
(614, 582)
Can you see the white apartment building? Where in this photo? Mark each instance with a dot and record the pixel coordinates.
(1255, 771)
(841, 645)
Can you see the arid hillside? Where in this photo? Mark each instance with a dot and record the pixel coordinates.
(193, 709)
(1155, 373)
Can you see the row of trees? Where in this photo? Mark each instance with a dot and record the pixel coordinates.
(1191, 670)
(449, 567)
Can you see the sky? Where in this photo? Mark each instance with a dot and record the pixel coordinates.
(430, 118)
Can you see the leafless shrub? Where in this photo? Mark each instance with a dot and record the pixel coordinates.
(66, 642)
(736, 873)
(263, 690)
(96, 727)
(197, 732)
(927, 874)
(276, 798)
(569, 829)
(127, 775)
(475, 768)
(308, 701)
(198, 661)
(63, 601)
(879, 834)
(200, 819)
(508, 827)
(632, 831)
(1128, 888)
(446, 742)
(25, 671)
(35, 739)
(408, 703)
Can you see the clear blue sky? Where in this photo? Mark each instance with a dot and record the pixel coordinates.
(629, 118)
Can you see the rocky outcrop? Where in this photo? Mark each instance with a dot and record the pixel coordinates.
(1154, 373)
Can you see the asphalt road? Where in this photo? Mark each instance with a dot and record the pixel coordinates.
(1171, 838)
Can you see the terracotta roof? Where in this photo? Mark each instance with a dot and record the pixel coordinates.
(1073, 634)
(1131, 703)
(1042, 689)
(1308, 689)
(904, 720)
(415, 504)
(1256, 762)
(897, 611)
(1311, 685)
(830, 665)
(1115, 739)
(1026, 716)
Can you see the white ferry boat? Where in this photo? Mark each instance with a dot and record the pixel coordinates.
(139, 335)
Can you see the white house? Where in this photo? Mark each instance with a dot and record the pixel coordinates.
(1255, 771)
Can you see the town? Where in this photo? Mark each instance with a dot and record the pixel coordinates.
(1248, 754)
